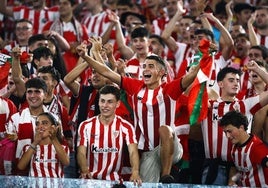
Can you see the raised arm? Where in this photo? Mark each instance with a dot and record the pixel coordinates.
(253, 66)
(4, 9)
(61, 41)
(61, 153)
(166, 34)
(226, 41)
(251, 32)
(70, 79)
(228, 24)
(17, 72)
(98, 66)
(190, 76)
(125, 51)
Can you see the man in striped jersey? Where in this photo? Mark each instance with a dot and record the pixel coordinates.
(249, 153)
(216, 145)
(39, 14)
(104, 136)
(154, 111)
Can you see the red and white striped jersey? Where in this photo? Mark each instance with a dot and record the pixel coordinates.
(159, 24)
(74, 32)
(247, 159)
(7, 109)
(152, 109)
(13, 44)
(183, 52)
(216, 143)
(45, 162)
(105, 145)
(38, 18)
(23, 123)
(96, 24)
(263, 40)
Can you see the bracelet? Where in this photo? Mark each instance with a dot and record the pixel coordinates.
(33, 147)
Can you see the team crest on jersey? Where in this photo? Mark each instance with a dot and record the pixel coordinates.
(160, 98)
(115, 134)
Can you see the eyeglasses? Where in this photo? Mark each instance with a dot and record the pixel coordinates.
(22, 28)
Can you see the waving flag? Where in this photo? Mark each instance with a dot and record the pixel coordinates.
(4, 68)
(198, 97)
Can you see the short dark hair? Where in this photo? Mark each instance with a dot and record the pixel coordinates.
(23, 20)
(159, 38)
(242, 35)
(263, 49)
(110, 89)
(124, 3)
(51, 70)
(35, 38)
(222, 73)
(36, 83)
(42, 52)
(234, 118)
(139, 32)
(205, 32)
(158, 60)
(72, 2)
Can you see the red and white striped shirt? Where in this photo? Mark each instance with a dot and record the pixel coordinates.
(7, 109)
(152, 109)
(38, 18)
(263, 40)
(45, 162)
(23, 123)
(96, 24)
(105, 145)
(216, 143)
(247, 159)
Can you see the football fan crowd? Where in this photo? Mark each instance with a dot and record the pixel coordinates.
(169, 91)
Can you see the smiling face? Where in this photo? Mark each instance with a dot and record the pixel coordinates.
(23, 31)
(152, 73)
(35, 97)
(108, 105)
(43, 125)
(140, 45)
